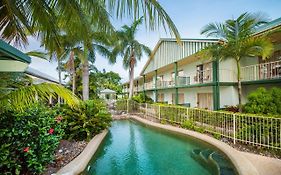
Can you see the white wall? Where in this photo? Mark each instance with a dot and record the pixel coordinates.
(228, 96)
(190, 94)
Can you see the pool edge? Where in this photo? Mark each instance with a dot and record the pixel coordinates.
(241, 163)
(78, 165)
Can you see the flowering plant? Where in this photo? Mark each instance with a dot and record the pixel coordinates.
(28, 140)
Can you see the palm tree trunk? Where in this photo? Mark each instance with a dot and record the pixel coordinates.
(85, 79)
(59, 71)
(131, 91)
(239, 86)
(131, 72)
(73, 72)
(73, 82)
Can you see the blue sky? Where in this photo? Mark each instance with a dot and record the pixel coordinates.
(188, 15)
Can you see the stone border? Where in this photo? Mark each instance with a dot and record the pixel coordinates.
(77, 165)
(242, 164)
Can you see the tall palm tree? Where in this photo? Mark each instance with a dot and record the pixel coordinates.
(48, 16)
(130, 49)
(238, 41)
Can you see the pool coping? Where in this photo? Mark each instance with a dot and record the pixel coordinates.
(77, 165)
(242, 164)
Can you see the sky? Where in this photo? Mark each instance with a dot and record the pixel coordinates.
(189, 17)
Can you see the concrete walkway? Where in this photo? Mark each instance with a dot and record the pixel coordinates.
(264, 165)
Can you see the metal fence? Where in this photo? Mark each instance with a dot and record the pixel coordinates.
(245, 128)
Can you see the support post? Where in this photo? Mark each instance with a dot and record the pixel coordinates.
(155, 87)
(159, 110)
(127, 106)
(234, 129)
(216, 88)
(145, 110)
(176, 83)
(137, 86)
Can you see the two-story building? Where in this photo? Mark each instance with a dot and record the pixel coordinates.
(176, 75)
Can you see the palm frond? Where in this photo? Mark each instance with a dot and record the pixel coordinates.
(153, 13)
(26, 96)
(38, 54)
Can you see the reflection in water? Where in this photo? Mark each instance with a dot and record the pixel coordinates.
(133, 149)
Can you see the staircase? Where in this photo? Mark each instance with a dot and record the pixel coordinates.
(214, 162)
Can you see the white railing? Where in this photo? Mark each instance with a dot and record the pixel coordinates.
(199, 77)
(245, 128)
(226, 75)
(262, 71)
(149, 85)
(165, 84)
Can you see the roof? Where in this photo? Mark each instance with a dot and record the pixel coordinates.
(40, 75)
(107, 91)
(269, 26)
(11, 52)
(173, 40)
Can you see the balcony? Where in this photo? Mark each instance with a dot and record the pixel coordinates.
(165, 84)
(264, 71)
(149, 85)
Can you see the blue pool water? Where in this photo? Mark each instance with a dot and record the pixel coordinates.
(131, 148)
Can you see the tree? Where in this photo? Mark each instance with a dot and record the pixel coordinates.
(130, 49)
(17, 92)
(51, 18)
(19, 16)
(238, 41)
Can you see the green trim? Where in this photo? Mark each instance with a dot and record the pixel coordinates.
(216, 88)
(277, 80)
(13, 52)
(176, 84)
(155, 85)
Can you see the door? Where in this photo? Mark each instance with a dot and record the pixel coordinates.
(199, 74)
(205, 100)
(180, 98)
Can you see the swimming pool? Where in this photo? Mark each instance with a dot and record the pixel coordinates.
(133, 148)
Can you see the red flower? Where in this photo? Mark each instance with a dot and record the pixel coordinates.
(26, 149)
(51, 131)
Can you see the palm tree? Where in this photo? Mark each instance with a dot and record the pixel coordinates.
(50, 18)
(238, 41)
(23, 97)
(130, 49)
(19, 16)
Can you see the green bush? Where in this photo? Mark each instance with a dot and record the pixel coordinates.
(142, 98)
(86, 121)
(264, 101)
(188, 124)
(28, 139)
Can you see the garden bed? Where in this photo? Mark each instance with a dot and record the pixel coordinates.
(65, 153)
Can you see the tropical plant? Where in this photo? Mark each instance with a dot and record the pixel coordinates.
(19, 16)
(10, 81)
(130, 49)
(84, 122)
(264, 101)
(28, 139)
(238, 41)
(78, 18)
(142, 98)
(26, 96)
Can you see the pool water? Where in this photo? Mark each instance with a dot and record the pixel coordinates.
(131, 148)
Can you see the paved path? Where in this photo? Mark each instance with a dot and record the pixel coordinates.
(264, 165)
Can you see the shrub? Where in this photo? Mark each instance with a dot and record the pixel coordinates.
(142, 98)
(28, 140)
(86, 121)
(264, 101)
(188, 124)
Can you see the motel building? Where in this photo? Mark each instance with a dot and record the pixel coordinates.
(174, 74)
